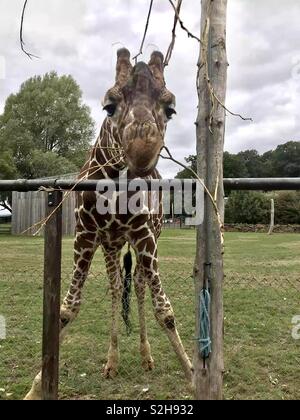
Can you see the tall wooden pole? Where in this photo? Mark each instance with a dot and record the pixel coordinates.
(210, 145)
(52, 287)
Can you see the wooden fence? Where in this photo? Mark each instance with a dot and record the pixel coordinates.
(30, 208)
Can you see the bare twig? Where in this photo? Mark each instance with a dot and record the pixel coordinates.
(22, 43)
(145, 32)
(170, 157)
(172, 44)
(204, 45)
(190, 35)
(84, 175)
(209, 194)
(230, 112)
(204, 63)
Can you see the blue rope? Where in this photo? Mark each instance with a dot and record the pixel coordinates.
(204, 338)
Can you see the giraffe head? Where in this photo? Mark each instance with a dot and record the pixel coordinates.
(139, 107)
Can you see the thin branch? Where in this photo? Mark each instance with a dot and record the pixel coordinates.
(230, 112)
(172, 44)
(204, 45)
(22, 43)
(170, 157)
(42, 223)
(190, 35)
(204, 63)
(145, 32)
(209, 194)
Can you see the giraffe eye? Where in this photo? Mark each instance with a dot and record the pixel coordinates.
(170, 112)
(110, 109)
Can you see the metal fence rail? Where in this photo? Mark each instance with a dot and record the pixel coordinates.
(264, 184)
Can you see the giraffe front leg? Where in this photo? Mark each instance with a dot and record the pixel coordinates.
(147, 254)
(165, 317)
(112, 260)
(140, 290)
(84, 250)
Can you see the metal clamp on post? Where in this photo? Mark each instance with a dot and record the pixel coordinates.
(54, 198)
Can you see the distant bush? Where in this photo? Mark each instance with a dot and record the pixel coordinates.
(254, 208)
(247, 207)
(287, 208)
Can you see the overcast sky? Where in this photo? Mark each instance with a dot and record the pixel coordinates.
(81, 37)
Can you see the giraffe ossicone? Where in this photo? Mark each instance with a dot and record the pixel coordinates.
(138, 108)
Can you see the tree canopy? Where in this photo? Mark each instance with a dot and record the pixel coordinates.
(46, 116)
(284, 161)
(45, 129)
(254, 207)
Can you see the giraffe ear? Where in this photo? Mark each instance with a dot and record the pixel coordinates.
(156, 65)
(124, 66)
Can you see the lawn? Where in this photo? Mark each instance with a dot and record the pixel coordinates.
(5, 228)
(262, 288)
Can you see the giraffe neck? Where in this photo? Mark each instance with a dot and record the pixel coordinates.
(107, 154)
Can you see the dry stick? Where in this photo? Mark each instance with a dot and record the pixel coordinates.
(228, 110)
(98, 146)
(190, 35)
(204, 45)
(172, 45)
(214, 202)
(209, 84)
(170, 157)
(114, 149)
(145, 32)
(43, 222)
(22, 43)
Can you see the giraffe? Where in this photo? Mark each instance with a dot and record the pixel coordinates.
(138, 108)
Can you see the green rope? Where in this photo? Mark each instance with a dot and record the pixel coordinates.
(204, 337)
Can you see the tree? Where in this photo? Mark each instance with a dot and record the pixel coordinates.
(267, 170)
(286, 160)
(45, 130)
(234, 166)
(7, 171)
(287, 204)
(50, 164)
(247, 207)
(46, 116)
(191, 163)
(252, 162)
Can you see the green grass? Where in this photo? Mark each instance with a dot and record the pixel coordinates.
(5, 228)
(261, 297)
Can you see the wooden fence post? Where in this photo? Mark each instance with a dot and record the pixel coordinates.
(272, 222)
(212, 78)
(52, 287)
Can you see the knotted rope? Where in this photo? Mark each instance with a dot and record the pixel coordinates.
(204, 316)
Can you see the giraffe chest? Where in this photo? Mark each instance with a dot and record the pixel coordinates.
(116, 228)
